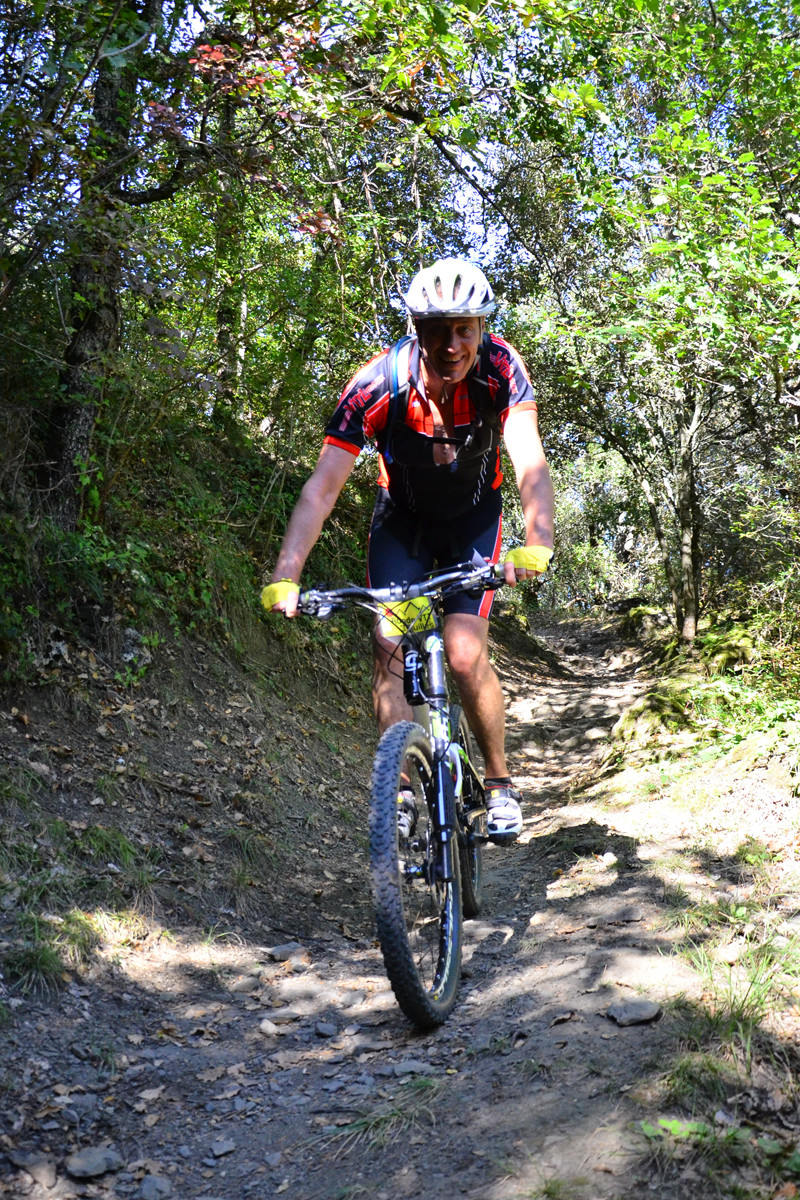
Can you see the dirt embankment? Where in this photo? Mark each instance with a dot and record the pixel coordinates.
(232, 1034)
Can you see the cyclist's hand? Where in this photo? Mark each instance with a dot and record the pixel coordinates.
(526, 562)
(281, 596)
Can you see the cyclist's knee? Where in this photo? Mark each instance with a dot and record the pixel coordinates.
(467, 656)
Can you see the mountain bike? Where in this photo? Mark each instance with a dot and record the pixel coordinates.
(426, 884)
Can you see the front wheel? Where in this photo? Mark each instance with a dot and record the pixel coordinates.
(418, 913)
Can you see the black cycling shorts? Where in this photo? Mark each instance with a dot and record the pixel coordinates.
(403, 546)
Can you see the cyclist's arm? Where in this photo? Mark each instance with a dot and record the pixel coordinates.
(317, 499)
(524, 445)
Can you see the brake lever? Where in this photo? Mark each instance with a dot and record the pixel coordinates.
(311, 604)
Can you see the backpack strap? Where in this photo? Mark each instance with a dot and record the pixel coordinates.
(478, 385)
(398, 392)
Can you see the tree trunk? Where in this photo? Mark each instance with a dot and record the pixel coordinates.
(664, 549)
(688, 513)
(93, 316)
(232, 298)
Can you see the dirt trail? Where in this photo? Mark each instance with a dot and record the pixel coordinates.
(237, 1069)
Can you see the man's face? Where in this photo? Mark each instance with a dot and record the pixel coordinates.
(449, 345)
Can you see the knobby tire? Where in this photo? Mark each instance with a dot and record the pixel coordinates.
(418, 915)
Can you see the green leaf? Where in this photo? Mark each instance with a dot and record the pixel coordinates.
(685, 1130)
(792, 1163)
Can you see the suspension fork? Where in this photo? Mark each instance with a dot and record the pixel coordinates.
(441, 737)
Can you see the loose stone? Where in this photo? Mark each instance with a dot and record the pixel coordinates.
(634, 1012)
(155, 1187)
(246, 983)
(287, 950)
(284, 1016)
(411, 1066)
(86, 1164)
(221, 1148)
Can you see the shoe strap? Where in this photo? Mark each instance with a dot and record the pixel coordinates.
(501, 792)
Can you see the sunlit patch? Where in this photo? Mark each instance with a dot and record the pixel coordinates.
(586, 875)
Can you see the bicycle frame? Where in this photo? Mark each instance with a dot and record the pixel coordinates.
(431, 707)
(433, 700)
(447, 792)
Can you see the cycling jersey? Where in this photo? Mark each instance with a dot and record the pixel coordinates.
(412, 478)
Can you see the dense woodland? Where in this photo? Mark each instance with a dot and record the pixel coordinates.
(209, 213)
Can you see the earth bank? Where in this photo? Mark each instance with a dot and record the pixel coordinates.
(229, 1032)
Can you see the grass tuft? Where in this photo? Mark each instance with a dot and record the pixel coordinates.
(34, 967)
(384, 1124)
(700, 1079)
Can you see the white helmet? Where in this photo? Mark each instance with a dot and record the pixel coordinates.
(451, 287)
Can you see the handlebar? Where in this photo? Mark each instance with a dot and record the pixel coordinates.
(465, 577)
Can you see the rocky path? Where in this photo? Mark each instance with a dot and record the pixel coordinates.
(234, 1069)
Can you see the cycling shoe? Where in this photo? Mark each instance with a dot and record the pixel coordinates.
(406, 813)
(503, 814)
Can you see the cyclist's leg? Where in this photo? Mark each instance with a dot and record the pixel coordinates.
(466, 634)
(388, 701)
(466, 645)
(466, 642)
(466, 631)
(396, 554)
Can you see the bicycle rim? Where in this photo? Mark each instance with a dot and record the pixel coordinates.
(418, 915)
(471, 827)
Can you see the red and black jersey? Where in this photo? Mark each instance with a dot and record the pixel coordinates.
(409, 473)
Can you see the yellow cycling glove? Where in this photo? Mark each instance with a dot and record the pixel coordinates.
(530, 558)
(278, 593)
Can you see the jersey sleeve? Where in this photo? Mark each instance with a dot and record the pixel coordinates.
(509, 380)
(361, 410)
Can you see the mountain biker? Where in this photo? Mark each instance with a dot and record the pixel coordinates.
(456, 391)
